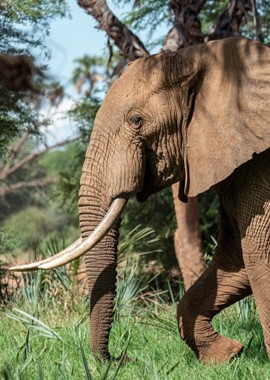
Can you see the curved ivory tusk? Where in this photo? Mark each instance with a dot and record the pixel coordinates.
(98, 234)
(35, 265)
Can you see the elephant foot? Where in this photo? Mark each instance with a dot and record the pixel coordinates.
(198, 333)
(222, 350)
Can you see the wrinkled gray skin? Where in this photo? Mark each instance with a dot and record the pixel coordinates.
(193, 116)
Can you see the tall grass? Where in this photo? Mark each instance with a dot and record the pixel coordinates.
(45, 332)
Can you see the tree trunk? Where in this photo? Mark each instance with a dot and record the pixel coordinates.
(187, 239)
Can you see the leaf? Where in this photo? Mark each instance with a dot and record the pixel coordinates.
(33, 323)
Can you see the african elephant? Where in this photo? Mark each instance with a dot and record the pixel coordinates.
(200, 117)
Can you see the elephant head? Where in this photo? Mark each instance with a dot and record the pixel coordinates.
(191, 116)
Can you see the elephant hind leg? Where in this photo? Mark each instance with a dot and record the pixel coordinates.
(259, 276)
(253, 208)
(256, 254)
(223, 283)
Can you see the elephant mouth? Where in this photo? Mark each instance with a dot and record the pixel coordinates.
(148, 189)
(142, 197)
(153, 182)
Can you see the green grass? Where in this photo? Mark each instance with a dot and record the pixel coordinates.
(44, 333)
(56, 345)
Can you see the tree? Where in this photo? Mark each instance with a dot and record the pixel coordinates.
(16, 51)
(220, 20)
(24, 90)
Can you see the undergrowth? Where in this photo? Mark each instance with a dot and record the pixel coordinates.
(45, 333)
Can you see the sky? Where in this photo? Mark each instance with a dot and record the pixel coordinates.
(70, 38)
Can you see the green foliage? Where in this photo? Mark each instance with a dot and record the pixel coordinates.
(48, 318)
(34, 11)
(23, 26)
(89, 71)
(55, 161)
(210, 12)
(134, 240)
(158, 214)
(15, 15)
(67, 188)
(258, 28)
(8, 241)
(209, 220)
(32, 323)
(83, 114)
(30, 225)
(33, 225)
(40, 213)
(14, 201)
(147, 17)
(145, 339)
(16, 116)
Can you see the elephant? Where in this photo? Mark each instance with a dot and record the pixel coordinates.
(201, 117)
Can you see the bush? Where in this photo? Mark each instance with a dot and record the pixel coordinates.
(32, 226)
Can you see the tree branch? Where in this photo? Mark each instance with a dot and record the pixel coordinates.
(14, 150)
(231, 19)
(129, 44)
(257, 23)
(26, 184)
(10, 170)
(186, 29)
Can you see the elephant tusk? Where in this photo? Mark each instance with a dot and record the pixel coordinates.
(35, 265)
(98, 234)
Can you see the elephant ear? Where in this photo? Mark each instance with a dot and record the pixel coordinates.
(230, 117)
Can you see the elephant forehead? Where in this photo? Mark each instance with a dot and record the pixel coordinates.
(142, 75)
(126, 94)
(135, 87)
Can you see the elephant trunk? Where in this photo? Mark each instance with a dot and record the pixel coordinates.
(101, 260)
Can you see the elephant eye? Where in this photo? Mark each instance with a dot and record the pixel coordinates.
(136, 121)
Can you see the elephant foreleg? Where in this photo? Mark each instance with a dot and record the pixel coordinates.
(223, 283)
(201, 303)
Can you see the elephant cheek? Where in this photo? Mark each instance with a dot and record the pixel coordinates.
(126, 173)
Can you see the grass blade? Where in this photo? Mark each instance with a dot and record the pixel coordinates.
(33, 323)
(123, 357)
(63, 365)
(40, 372)
(85, 364)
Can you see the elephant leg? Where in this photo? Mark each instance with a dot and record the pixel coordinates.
(256, 254)
(253, 215)
(223, 283)
(259, 277)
